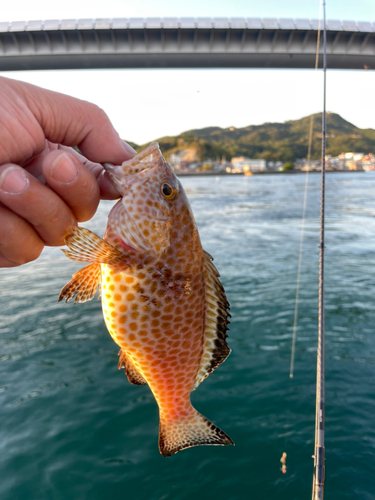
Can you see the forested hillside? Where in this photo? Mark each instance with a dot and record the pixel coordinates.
(271, 141)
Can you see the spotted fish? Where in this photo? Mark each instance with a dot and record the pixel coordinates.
(162, 300)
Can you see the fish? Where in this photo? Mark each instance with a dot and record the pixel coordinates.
(163, 303)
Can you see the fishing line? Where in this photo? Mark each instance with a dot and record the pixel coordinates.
(283, 458)
(295, 321)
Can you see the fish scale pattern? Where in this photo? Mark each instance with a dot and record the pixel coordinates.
(157, 317)
(163, 303)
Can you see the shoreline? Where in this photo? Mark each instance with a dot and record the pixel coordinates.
(291, 172)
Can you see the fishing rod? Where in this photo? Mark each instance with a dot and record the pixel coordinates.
(319, 452)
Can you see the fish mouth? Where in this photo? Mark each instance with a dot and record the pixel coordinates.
(135, 169)
(123, 180)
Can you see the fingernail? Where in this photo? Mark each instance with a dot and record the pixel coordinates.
(128, 148)
(63, 169)
(13, 181)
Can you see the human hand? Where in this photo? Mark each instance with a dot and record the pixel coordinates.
(46, 186)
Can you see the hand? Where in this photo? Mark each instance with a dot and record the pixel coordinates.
(46, 186)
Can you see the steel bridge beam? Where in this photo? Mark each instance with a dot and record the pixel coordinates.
(182, 43)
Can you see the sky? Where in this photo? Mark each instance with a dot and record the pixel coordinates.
(147, 104)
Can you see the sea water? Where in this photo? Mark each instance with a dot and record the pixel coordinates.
(72, 427)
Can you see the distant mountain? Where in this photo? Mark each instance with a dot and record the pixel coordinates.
(271, 141)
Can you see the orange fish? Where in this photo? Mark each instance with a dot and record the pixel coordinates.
(163, 303)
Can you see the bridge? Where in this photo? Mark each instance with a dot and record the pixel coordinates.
(183, 43)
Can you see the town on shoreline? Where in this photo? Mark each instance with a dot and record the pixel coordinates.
(345, 162)
(271, 147)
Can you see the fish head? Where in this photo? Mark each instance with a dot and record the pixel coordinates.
(151, 199)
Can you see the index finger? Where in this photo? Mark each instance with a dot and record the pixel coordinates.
(61, 119)
(72, 122)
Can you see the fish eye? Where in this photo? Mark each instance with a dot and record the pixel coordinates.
(167, 190)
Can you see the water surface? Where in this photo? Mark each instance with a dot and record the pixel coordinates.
(71, 426)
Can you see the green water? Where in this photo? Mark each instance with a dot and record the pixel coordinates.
(72, 427)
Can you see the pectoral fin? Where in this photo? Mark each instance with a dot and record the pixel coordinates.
(85, 246)
(83, 284)
(131, 371)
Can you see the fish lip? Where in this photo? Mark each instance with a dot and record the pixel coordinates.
(152, 149)
(130, 179)
(124, 182)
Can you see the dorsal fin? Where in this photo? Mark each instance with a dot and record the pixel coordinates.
(83, 284)
(215, 348)
(131, 371)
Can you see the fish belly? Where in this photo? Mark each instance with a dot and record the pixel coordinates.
(162, 335)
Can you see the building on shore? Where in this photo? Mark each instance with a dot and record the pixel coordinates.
(351, 156)
(344, 161)
(241, 164)
(187, 160)
(183, 159)
(368, 162)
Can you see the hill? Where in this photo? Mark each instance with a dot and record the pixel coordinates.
(271, 141)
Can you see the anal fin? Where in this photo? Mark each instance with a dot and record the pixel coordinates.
(83, 284)
(131, 371)
(86, 246)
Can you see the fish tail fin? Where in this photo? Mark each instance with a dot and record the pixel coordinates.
(195, 430)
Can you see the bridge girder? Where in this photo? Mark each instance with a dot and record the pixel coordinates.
(183, 43)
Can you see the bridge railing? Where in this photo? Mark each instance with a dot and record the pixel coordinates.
(184, 23)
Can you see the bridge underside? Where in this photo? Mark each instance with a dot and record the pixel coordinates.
(182, 43)
(155, 61)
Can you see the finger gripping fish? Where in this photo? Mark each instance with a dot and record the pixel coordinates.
(162, 300)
